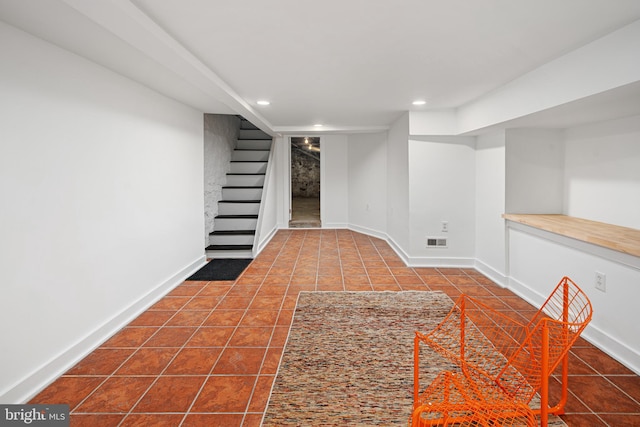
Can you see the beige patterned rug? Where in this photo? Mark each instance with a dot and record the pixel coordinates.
(348, 360)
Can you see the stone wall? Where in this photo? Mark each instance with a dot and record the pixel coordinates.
(305, 175)
(220, 136)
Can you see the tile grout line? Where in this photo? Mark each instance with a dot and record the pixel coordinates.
(273, 331)
(184, 345)
(604, 376)
(108, 377)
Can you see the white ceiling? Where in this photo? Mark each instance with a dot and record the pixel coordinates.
(362, 62)
(349, 64)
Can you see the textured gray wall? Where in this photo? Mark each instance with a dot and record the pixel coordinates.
(220, 136)
(305, 175)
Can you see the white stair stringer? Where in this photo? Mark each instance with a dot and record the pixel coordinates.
(235, 225)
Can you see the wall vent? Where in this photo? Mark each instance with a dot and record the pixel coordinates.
(436, 242)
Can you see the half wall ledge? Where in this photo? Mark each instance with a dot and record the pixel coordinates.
(614, 237)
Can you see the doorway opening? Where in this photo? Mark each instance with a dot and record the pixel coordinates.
(305, 183)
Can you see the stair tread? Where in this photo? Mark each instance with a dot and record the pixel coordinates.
(250, 216)
(229, 247)
(233, 233)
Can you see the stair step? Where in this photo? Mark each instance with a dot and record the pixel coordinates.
(236, 216)
(230, 251)
(241, 193)
(248, 167)
(232, 237)
(238, 207)
(245, 180)
(253, 144)
(229, 247)
(235, 222)
(253, 134)
(233, 233)
(246, 124)
(250, 155)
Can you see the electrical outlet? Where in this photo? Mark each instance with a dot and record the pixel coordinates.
(601, 281)
(445, 226)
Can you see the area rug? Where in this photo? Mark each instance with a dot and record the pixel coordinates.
(348, 360)
(221, 269)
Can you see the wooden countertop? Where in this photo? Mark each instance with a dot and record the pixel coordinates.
(621, 239)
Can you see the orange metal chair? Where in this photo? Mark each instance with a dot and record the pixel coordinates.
(501, 364)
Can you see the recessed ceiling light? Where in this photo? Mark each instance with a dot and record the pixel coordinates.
(419, 102)
(263, 102)
(318, 125)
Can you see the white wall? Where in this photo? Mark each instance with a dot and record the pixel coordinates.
(591, 172)
(398, 185)
(490, 203)
(442, 188)
(433, 122)
(538, 260)
(334, 193)
(367, 171)
(602, 172)
(609, 62)
(534, 171)
(101, 184)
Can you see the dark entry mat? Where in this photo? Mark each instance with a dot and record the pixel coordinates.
(221, 269)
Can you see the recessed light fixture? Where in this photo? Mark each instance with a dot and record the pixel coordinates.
(318, 125)
(263, 102)
(419, 102)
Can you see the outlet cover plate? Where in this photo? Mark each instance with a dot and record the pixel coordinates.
(601, 281)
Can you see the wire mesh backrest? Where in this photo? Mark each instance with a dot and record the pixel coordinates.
(563, 316)
(491, 344)
(482, 339)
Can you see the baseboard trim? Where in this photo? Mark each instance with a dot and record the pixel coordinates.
(397, 249)
(441, 262)
(263, 242)
(614, 348)
(368, 231)
(24, 390)
(491, 273)
(337, 225)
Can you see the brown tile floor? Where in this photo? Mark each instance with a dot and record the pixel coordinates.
(207, 353)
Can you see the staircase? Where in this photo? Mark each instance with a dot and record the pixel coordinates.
(235, 225)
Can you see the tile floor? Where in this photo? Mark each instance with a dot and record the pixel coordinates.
(207, 353)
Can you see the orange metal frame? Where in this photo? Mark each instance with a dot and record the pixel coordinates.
(501, 363)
